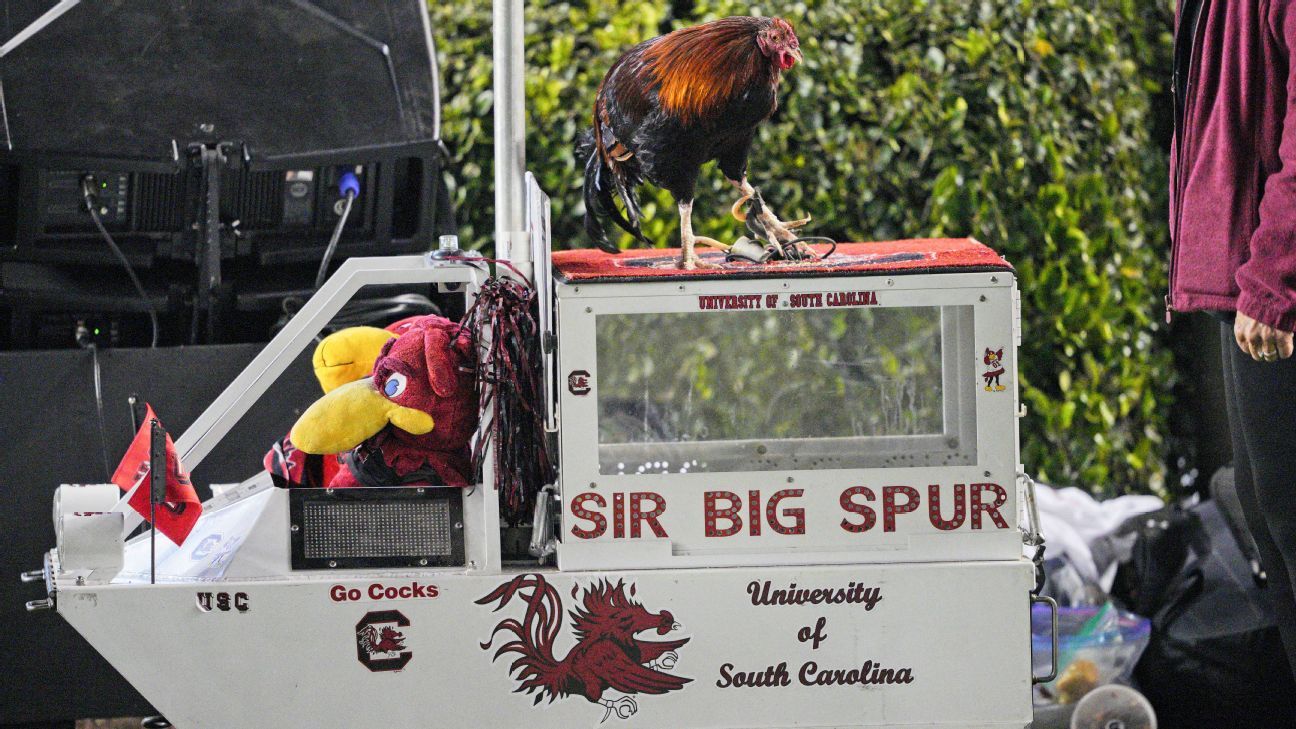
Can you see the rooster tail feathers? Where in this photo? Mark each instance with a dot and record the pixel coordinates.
(601, 183)
(532, 638)
(597, 204)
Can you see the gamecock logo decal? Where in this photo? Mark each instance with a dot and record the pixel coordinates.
(607, 655)
(379, 645)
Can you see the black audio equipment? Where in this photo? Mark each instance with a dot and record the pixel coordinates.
(209, 140)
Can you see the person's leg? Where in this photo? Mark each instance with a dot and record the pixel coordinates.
(1261, 400)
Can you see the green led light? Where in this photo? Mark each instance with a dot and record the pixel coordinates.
(96, 331)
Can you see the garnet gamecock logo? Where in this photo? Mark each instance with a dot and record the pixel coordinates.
(578, 382)
(607, 656)
(379, 645)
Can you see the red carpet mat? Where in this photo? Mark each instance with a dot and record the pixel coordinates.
(931, 255)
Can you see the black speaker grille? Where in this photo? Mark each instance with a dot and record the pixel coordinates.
(157, 203)
(381, 527)
(255, 199)
(399, 529)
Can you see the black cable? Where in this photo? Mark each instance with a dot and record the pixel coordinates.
(820, 238)
(103, 430)
(130, 271)
(333, 241)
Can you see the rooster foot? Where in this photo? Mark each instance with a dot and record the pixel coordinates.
(780, 236)
(665, 661)
(804, 251)
(624, 707)
(689, 259)
(798, 251)
(691, 263)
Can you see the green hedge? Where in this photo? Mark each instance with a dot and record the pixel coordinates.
(569, 46)
(1026, 129)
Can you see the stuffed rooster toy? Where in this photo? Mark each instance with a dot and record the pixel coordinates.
(410, 423)
(673, 103)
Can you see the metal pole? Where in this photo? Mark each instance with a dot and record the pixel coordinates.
(510, 134)
(37, 25)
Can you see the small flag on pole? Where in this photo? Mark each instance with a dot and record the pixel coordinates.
(180, 508)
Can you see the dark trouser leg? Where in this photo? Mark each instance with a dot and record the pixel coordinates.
(1262, 417)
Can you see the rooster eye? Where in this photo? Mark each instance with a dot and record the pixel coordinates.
(395, 385)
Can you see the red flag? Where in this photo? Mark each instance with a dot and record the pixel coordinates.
(178, 513)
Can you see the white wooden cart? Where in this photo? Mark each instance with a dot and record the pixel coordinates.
(796, 490)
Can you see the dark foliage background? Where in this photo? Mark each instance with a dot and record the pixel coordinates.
(1031, 126)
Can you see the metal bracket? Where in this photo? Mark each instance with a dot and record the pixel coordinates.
(1053, 626)
(208, 243)
(544, 544)
(1031, 535)
(354, 273)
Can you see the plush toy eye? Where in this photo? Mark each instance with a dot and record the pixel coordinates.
(395, 385)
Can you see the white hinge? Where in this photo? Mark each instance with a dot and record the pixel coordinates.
(1016, 316)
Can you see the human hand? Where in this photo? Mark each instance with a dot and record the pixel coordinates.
(1261, 341)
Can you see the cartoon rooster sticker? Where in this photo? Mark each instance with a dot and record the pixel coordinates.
(994, 360)
(606, 655)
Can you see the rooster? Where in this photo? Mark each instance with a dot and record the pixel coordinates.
(673, 103)
(606, 655)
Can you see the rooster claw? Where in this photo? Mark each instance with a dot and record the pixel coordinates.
(798, 224)
(665, 661)
(624, 707)
(737, 210)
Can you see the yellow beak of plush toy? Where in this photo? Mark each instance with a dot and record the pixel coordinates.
(348, 355)
(350, 414)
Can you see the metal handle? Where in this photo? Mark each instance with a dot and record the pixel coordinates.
(543, 544)
(38, 605)
(33, 576)
(1053, 626)
(1032, 534)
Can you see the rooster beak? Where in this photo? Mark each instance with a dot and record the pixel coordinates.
(796, 53)
(349, 415)
(348, 355)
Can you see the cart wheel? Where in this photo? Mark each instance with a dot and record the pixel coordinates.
(1113, 707)
(155, 722)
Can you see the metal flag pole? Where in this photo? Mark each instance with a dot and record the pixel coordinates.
(157, 488)
(510, 134)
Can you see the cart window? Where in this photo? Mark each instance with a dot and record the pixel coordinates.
(785, 390)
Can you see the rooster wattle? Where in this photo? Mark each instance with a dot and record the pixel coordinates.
(673, 103)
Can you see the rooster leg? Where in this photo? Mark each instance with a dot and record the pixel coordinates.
(689, 259)
(743, 186)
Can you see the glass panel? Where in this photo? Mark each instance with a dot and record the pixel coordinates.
(764, 390)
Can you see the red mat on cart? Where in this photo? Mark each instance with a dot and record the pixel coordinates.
(924, 255)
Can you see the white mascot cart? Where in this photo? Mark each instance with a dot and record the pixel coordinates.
(788, 497)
